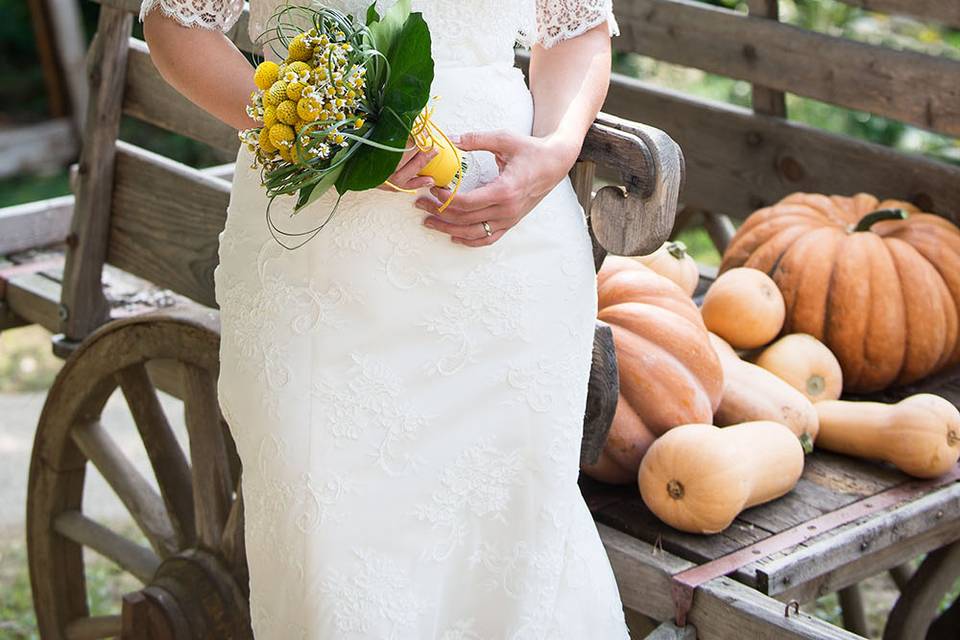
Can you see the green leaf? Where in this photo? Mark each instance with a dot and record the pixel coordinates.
(404, 97)
(372, 15)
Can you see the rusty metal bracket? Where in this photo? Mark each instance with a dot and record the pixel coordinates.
(25, 268)
(685, 583)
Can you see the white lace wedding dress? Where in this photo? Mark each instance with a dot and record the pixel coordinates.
(408, 410)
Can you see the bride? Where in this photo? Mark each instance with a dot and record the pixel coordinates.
(407, 389)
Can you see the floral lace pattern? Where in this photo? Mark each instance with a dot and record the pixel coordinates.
(219, 15)
(409, 411)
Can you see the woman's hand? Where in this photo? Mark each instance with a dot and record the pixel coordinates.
(411, 163)
(530, 167)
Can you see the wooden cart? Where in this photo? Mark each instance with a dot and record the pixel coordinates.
(130, 295)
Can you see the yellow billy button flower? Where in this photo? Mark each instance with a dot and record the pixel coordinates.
(269, 115)
(266, 145)
(285, 153)
(298, 67)
(358, 124)
(287, 112)
(276, 94)
(298, 49)
(266, 74)
(294, 90)
(308, 109)
(281, 135)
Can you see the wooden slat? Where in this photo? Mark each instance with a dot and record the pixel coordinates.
(35, 224)
(148, 97)
(84, 303)
(39, 147)
(130, 556)
(34, 298)
(722, 608)
(796, 60)
(165, 221)
(943, 11)
(837, 559)
(738, 161)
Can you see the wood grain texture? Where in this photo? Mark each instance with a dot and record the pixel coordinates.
(130, 556)
(738, 161)
(35, 224)
(83, 297)
(165, 222)
(911, 87)
(150, 98)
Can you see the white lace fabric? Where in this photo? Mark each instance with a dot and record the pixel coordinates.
(219, 15)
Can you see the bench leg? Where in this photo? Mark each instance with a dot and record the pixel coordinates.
(916, 609)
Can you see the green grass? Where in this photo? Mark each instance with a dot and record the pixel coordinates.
(27, 362)
(20, 189)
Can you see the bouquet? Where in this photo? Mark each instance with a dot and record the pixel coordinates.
(337, 113)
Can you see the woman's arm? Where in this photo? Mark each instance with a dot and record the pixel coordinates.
(568, 82)
(203, 65)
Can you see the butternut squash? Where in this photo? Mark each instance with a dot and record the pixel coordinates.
(744, 307)
(806, 364)
(698, 477)
(673, 262)
(752, 393)
(920, 435)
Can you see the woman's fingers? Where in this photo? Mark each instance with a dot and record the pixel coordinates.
(408, 172)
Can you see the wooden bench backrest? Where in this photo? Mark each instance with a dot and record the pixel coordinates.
(741, 159)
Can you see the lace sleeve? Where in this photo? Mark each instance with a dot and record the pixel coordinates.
(556, 20)
(220, 15)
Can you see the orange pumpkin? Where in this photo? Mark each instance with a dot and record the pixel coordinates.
(862, 276)
(669, 373)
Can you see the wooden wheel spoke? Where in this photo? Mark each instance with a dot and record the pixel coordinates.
(212, 483)
(144, 504)
(231, 543)
(166, 456)
(917, 607)
(93, 628)
(128, 555)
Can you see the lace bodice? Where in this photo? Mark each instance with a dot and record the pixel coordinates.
(465, 33)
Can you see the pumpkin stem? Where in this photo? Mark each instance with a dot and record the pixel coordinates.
(675, 489)
(806, 442)
(953, 438)
(815, 385)
(871, 219)
(677, 249)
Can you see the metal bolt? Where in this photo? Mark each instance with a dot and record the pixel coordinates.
(939, 514)
(63, 312)
(864, 545)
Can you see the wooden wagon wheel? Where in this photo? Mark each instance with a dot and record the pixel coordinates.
(194, 572)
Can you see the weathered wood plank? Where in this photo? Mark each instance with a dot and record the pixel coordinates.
(166, 217)
(35, 299)
(943, 11)
(148, 97)
(839, 558)
(738, 161)
(83, 302)
(768, 52)
(35, 224)
(40, 147)
(764, 99)
(722, 608)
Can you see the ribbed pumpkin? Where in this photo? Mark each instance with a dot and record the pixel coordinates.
(669, 373)
(877, 282)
